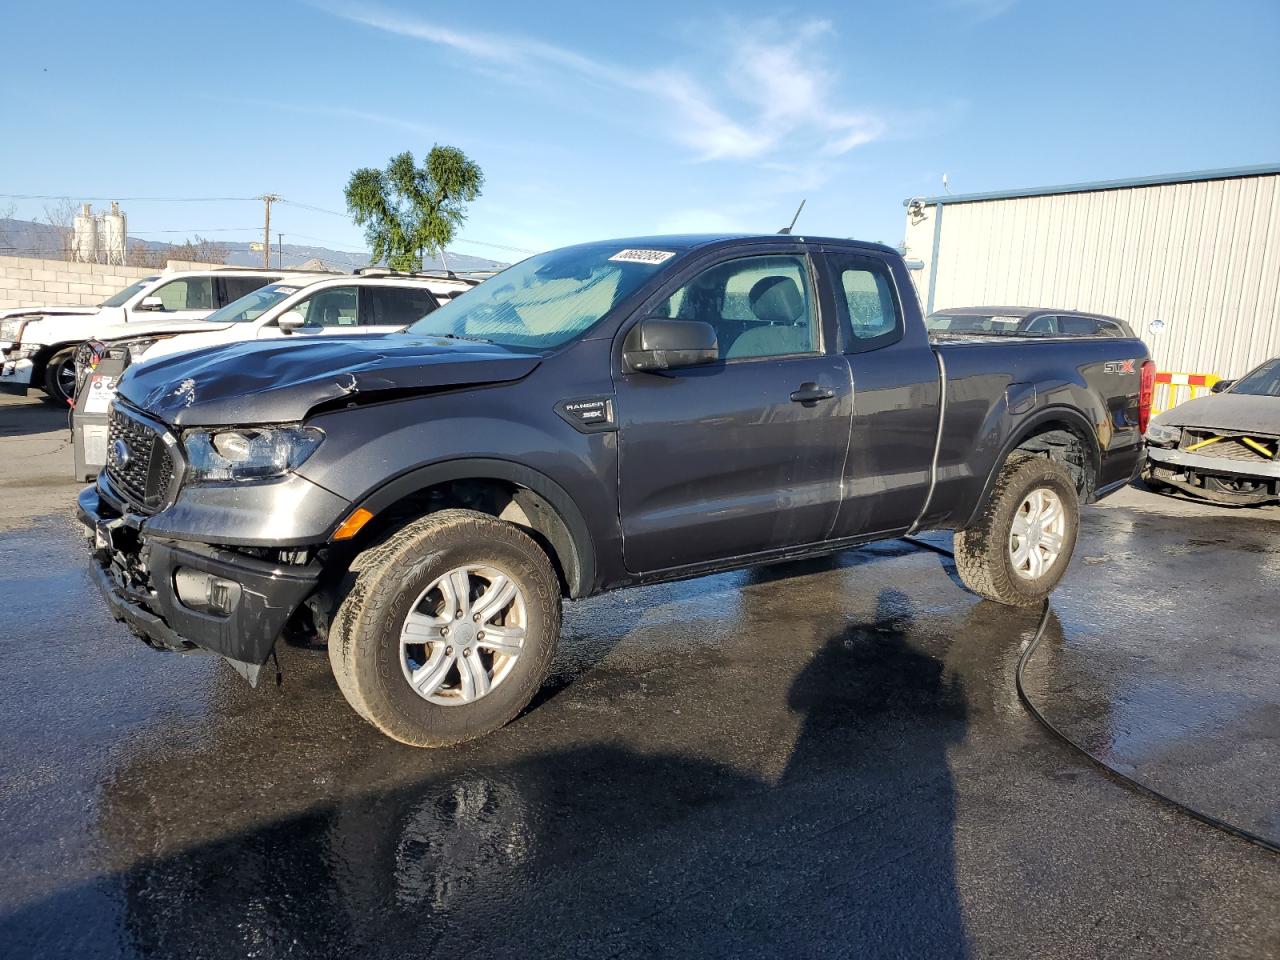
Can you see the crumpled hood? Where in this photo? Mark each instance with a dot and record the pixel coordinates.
(1226, 411)
(277, 381)
(150, 328)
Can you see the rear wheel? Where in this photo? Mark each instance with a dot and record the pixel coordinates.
(1019, 548)
(448, 629)
(60, 376)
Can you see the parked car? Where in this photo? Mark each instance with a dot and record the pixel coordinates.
(38, 349)
(1224, 447)
(302, 305)
(594, 417)
(1025, 322)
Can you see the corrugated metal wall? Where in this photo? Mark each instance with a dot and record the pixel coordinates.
(1204, 257)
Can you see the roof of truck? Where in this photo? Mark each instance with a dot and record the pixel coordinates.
(688, 241)
(1023, 312)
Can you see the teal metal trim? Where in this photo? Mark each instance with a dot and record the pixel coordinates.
(1226, 173)
(933, 259)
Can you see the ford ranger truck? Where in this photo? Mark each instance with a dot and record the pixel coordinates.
(595, 417)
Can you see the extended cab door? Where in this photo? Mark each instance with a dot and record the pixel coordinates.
(743, 455)
(896, 392)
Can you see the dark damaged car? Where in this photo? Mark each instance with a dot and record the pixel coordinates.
(1224, 447)
(596, 417)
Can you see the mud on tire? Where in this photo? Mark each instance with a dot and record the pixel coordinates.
(388, 579)
(982, 550)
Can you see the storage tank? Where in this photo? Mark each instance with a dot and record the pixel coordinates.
(84, 236)
(113, 235)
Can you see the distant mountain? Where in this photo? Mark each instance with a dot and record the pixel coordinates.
(25, 238)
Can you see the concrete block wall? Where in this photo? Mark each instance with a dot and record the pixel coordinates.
(29, 282)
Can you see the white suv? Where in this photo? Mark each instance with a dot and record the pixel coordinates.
(37, 346)
(302, 306)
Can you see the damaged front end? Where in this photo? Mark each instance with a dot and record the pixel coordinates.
(1230, 467)
(217, 567)
(185, 596)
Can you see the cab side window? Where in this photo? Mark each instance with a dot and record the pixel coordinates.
(396, 306)
(865, 293)
(331, 307)
(759, 306)
(189, 293)
(1045, 326)
(233, 288)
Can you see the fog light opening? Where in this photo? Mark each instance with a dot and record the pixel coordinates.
(205, 593)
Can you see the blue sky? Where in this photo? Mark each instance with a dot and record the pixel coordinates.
(602, 119)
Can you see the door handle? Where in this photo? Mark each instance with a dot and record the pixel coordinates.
(810, 393)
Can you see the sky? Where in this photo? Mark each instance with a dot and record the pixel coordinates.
(599, 120)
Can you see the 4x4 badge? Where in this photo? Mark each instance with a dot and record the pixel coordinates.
(588, 414)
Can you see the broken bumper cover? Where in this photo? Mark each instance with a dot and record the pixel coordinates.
(137, 575)
(1172, 459)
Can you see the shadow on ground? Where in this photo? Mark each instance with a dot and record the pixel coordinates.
(683, 855)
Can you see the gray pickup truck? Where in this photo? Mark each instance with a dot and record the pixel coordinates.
(595, 417)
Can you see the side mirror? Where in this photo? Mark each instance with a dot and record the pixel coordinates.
(657, 343)
(1222, 385)
(292, 321)
(151, 303)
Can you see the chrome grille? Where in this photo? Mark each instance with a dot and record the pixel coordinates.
(139, 463)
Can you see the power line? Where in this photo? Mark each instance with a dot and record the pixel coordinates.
(307, 206)
(41, 196)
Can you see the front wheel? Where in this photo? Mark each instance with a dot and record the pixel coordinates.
(60, 377)
(1019, 548)
(448, 629)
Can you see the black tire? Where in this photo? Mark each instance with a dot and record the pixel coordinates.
(58, 388)
(1244, 492)
(982, 550)
(364, 640)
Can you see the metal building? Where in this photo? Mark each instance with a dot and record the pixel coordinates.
(1199, 251)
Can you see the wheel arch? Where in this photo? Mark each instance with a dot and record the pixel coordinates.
(1060, 433)
(503, 489)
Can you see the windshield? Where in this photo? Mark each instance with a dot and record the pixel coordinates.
(972, 323)
(253, 305)
(123, 297)
(1263, 382)
(547, 300)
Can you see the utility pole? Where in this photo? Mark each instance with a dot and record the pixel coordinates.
(267, 199)
(279, 251)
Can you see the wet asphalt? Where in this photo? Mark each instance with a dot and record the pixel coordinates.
(818, 759)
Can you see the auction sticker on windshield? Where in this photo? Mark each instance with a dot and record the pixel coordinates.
(642, 256)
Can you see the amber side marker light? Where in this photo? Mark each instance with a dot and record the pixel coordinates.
(353, 524)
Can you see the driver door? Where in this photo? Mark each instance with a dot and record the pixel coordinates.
(743, 455)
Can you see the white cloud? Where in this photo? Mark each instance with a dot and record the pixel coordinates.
(775, 96)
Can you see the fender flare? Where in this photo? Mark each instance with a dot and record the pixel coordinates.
(579, 568)
(1069, 415)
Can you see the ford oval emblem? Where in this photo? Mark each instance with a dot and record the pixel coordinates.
(121, 451)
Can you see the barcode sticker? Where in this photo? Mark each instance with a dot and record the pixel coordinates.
(642, 256)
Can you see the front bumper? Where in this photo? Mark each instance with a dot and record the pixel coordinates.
(1172, 459)
(15, 375)
(136, 574)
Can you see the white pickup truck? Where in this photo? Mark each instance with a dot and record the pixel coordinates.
(37, 346)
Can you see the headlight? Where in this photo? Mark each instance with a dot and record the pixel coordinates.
(137, 348)
(1161, 436)
(250, 453)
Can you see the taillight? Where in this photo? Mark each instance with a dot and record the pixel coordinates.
(1146, 394)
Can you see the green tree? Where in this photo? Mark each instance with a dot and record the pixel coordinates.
(406, 209)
